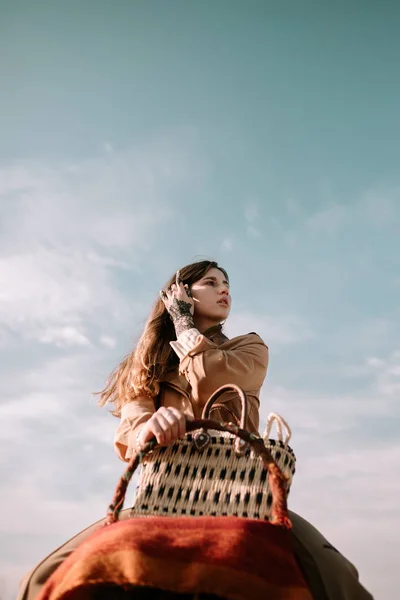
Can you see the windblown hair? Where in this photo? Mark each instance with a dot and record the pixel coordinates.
(141, 371)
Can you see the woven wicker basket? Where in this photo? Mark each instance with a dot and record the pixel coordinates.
(212, 472)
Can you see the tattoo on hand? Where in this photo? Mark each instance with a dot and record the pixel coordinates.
(181, 316)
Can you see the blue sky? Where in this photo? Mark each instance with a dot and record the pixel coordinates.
(139, 136)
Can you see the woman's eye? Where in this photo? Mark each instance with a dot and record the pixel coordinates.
(210, 282)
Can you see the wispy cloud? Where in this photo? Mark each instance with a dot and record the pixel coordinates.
(387, 374)
(65, 230)
(108, 341)
(64, 336)
(279, 330)
(227, 244)
(372, 212)
(251, 215)
(253, 231)
(380, 206)
(328, 220)
(108, 147)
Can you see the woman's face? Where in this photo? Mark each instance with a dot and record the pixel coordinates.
(211, 297)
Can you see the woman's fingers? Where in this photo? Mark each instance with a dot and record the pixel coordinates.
(171, 425)
(167, 425)
(188, 292)
(180, 421)
(159, 427)
(161, 418)
(184, 289)
(151, 429)
(176, 421)
(177, 290)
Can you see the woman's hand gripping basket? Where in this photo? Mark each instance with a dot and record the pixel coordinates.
(217, 469)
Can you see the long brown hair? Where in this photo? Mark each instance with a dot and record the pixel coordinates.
(141, 371)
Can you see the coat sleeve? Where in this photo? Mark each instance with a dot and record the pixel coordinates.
(206, 366)
(133, 415)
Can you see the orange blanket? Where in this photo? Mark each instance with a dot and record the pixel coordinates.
(231, 557)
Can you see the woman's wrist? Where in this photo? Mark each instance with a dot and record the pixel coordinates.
(182, 318)
(182, 323)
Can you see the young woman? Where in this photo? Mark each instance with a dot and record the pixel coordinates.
(181, 358)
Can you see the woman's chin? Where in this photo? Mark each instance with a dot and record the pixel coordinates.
(215, 316)
(223, 312)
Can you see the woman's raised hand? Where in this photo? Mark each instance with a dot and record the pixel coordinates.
(166, 425)
(178, 297)
(180, 305)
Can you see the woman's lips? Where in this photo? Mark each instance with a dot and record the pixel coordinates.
(223, 302)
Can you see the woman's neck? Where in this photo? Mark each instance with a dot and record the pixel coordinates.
(203, 324)
(214, 333)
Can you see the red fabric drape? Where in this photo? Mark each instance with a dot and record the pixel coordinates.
(230, 557)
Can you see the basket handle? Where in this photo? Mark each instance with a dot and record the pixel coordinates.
(276, 478)
(280, 422)
(221, 390)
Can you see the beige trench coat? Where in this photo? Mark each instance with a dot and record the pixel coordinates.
(211, 363)
(242, 360)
